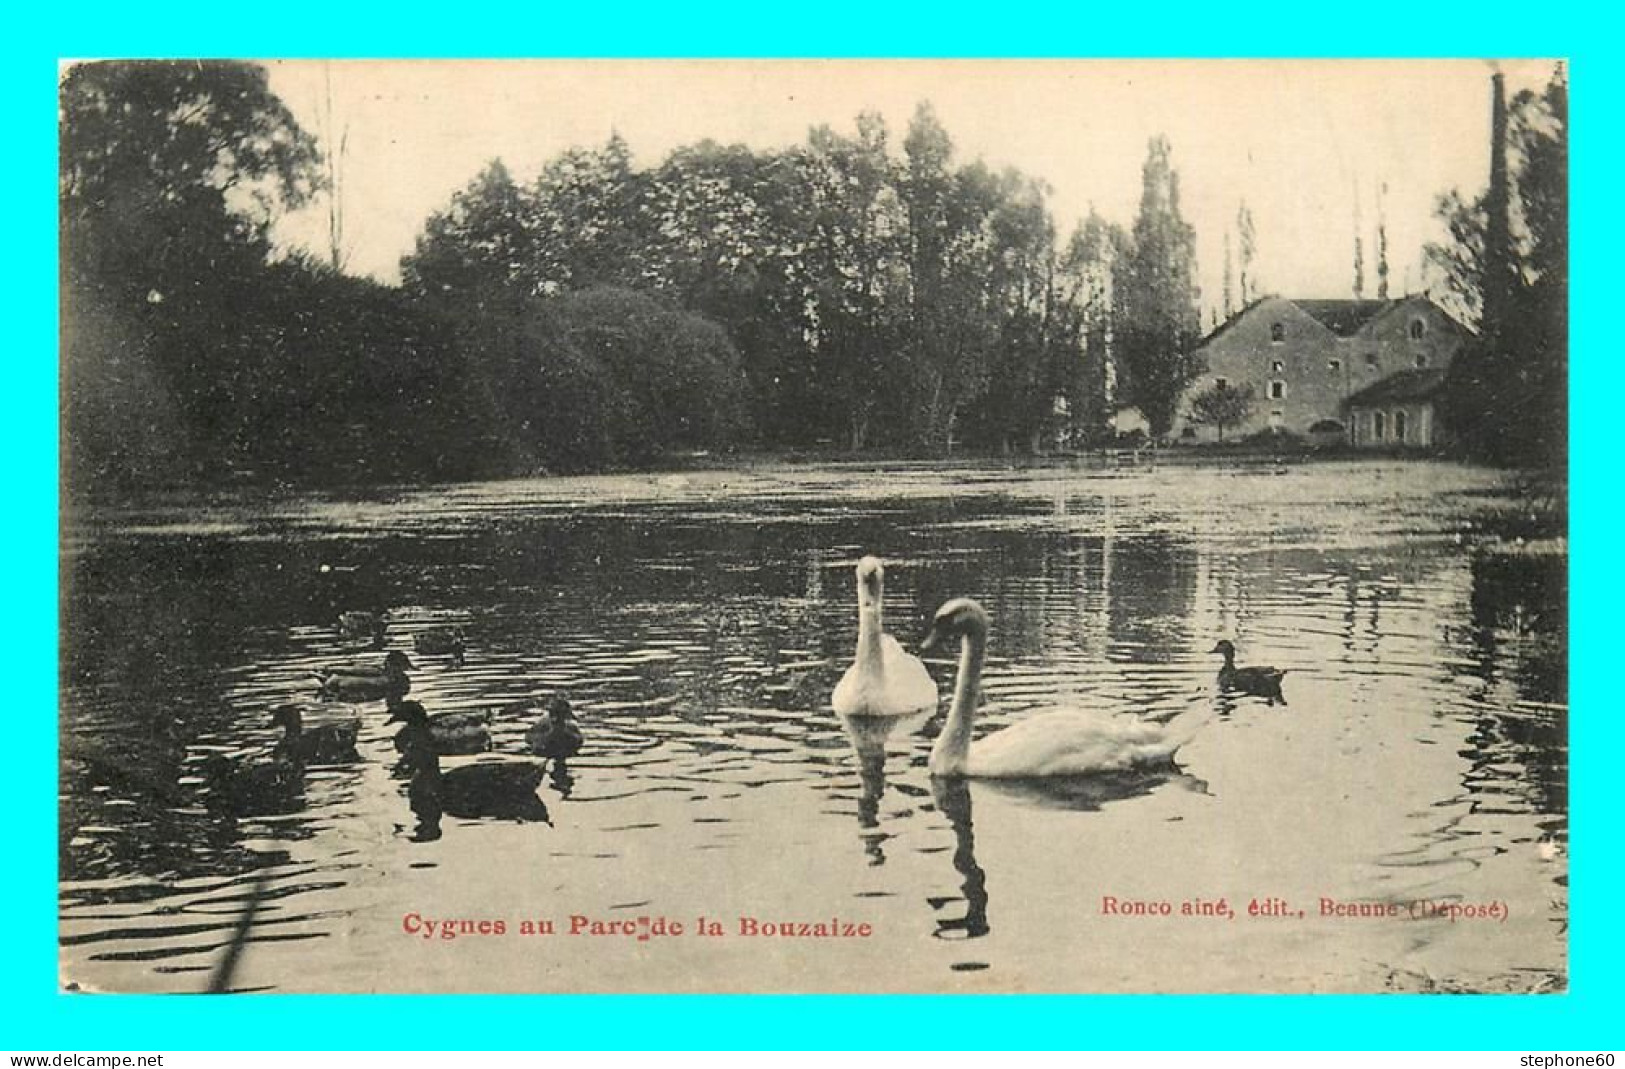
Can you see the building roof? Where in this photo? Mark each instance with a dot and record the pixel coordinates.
(1344, 318)
(1419, 384)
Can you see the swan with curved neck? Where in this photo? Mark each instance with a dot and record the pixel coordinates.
(1068, 742)
(883, 679)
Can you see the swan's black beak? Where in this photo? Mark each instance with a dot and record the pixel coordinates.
(931, 641)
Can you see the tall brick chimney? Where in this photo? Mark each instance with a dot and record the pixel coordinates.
(1498, 262)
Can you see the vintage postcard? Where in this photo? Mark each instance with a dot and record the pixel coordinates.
(989, 526)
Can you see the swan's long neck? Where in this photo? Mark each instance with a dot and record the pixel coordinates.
(869, 658)
(952, 751)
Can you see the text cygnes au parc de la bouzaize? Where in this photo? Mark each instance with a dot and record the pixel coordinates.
(646, 928)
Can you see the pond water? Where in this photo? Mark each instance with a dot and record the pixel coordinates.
(698, 624)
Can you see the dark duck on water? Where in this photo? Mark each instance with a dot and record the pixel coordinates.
(365, 683)
(253, 788)
(462, 732)
(557, 736)
(441, 642)
(1261, 681)
(501, 789)
(324, 744)
(367, 625)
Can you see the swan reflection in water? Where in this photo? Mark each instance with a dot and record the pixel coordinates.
(1088, 794)
(953, 801)
(868, 735)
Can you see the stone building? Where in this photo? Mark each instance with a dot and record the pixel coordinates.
(1305, 360)
(1397, 411)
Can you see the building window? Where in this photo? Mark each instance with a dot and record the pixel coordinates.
(1421, 359)
(1379, 425)
(1371, 361)
(1334, 365)
(1418, 328)
(1219, 384)
(1399, 426)
(1277, 332)
(1278, 365)
(1277, 389)
(1277, 418)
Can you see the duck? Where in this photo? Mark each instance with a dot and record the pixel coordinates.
(257, 787)
(460, 732)
(324, 744)
(1066, 742)
(360, 683)
(558, 736)
(503, 789)
(440, 642)
(146, 764)
(1262, 681)
(883, 680)
(357, 624)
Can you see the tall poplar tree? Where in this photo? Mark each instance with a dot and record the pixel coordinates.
(1161, 321)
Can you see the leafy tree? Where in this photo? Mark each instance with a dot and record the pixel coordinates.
(1459, 260)
(676, 376)
(724, 236)
(169, 176)
(952, 330)
(351, 381)
(169, 171)
(1506, 392)
(550, 407)
(1247, 237)
(476, 254)
(1088, 306)
(1160, 320)
(582, 218)
(855, 274)
(1036, 341)
(1221, 406)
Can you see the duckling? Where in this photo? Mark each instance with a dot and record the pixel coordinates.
(1262, 681)
(362, 683)
(439, 643)
(261, 787)
(324, 744)
(502, 789)
(369, 625)
(558, 736)
(463, 732)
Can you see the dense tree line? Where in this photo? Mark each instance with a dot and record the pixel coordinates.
(849, 291)
(876, 297)
(188, 354)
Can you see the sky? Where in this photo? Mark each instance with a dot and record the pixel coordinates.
(1308, 144)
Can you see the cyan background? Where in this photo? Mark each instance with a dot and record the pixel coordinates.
(34, 1017)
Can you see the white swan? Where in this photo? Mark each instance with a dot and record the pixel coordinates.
(883, 680)
(1063, 743)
